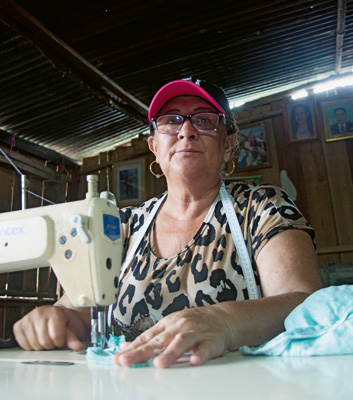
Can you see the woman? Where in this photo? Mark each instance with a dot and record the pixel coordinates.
(183, 289)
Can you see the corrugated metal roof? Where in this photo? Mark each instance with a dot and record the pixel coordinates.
(64, 94)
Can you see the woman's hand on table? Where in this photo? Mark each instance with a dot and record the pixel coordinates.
(202, 331)
(46, 328)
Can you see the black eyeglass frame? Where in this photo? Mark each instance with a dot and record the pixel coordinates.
(185, 117)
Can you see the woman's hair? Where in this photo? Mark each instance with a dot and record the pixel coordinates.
(232, 128)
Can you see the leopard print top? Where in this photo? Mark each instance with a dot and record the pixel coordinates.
(207, 270)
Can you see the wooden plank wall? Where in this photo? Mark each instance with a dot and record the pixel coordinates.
(321, 171)
(23, 290)
(105, 165)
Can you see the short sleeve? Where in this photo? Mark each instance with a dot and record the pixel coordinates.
(269, 211)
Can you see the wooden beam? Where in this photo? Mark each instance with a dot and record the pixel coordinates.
(341, 17)
(260, 117)
(29, 164)
(39, 151)
(86, 170)
(17, 302)
(70, 62)
(42, 172)
(335, 249)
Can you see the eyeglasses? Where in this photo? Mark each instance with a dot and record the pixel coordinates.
(201, 122)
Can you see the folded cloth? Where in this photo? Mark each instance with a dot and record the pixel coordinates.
(321, 325)
(105, 356)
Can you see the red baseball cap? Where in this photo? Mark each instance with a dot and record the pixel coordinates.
(190, 86)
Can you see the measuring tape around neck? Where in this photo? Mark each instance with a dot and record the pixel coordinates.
(239, 242)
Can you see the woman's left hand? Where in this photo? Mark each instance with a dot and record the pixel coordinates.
(203, 331)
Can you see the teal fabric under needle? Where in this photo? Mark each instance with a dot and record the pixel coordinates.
(105, 356)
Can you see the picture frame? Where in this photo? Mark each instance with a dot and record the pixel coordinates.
(300, 121)
(253, 147)
(129, 182)
(337, 118)
(252, 180)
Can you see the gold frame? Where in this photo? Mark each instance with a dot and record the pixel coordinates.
(248, 134)
(330, 123)
(289, 120)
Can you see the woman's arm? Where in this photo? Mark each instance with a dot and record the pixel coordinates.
(50, 327)
(288, 270)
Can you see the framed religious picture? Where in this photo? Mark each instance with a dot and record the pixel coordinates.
(129, 182)
(252, 152)
(338, 119)
(300, 122)
(251, 180)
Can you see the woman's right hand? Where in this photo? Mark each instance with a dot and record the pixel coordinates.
(46, 328)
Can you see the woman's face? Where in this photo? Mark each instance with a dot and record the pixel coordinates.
(189, 153)
(300, 114)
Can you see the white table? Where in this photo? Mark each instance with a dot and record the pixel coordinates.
(231, 377)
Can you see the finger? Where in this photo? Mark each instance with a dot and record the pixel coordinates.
(44, 340)
(72, 342)
(57, 329)
(21, 337)
(32, 339)
(133, 357)
(51, 331)
(141, 351)
(124, 346)
(138, 355)
(43, 335)
(181, 343)
(144, 338)
(205, 351)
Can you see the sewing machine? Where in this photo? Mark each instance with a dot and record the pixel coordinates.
(80, 240)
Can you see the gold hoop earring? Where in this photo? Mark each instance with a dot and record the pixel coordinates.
(156, 175)
(227, 174)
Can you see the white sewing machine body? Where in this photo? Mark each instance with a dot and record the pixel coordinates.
(80, 240)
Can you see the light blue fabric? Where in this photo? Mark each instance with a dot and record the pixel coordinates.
(105, 356)
(321, 325)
